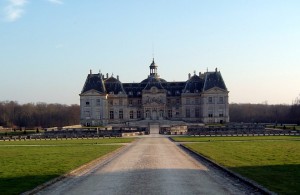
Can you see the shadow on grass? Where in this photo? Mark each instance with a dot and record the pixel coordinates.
(17, 185)
(283, 179)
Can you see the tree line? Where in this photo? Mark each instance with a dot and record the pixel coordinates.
(262, 113)
(30, 115)
(15, 115)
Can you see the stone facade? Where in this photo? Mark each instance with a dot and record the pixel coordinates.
(106, 100)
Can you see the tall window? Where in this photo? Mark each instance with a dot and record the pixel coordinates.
(221, 113)
(97, 102)
(138, 114)
(197, 112)
(130, 102)
(120, 102)
(221, 100)
(188, 101)
(111, 114)
(210, 100)
(187, 113)
(131, 114)
(147, 114)
(170, 113)
(120, 114)
(210, 113)
(139, 102)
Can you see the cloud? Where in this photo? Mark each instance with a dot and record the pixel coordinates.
(56, 1)
(14, 10)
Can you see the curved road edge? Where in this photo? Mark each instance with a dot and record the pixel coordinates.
(83, 169)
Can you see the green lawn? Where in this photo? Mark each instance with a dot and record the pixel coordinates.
(231, 138)
(35, 162)
(275, 163)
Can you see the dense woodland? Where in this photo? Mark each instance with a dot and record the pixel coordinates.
(32, 115)
(45, 115)
(262, 113)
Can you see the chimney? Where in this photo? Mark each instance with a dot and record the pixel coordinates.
(216, 69)
(199, 74)
(117, 77)
(107, 75)
(91, 71)
(189, 75)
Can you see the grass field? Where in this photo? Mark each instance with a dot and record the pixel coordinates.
(273, 161)
(26, 164)
(231, 138)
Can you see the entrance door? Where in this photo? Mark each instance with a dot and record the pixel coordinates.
(147, 114)
(154, 115)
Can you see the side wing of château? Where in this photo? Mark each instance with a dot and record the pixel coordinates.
(106, 100)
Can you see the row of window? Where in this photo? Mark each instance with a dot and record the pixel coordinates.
(98, 102)
(170, 114)
(211, 115)
(197, 113)
(121, 116)
(188, 112)
(212, 100)
(192, 100)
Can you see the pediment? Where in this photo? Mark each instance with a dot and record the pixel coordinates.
(92, 92)
(215, 90)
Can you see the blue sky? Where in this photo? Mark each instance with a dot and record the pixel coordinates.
(47, 47)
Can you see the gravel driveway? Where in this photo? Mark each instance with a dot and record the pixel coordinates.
(151, 165)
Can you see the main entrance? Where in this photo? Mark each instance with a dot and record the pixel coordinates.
(154, 115)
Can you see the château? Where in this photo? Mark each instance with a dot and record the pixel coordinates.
(203, 98)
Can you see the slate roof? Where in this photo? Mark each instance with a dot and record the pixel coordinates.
(213, 79)
(94, 81)
(195, 84)
(134, 89)
(154, 82)
(114, 86)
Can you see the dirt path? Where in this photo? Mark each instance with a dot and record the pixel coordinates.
(152, 165)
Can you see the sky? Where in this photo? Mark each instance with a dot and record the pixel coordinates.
(47, 47)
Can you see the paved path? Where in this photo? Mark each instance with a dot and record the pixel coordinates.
(151, 165)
